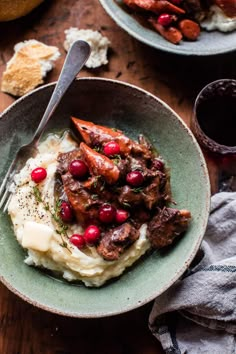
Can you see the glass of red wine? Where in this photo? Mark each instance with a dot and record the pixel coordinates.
(214, 123)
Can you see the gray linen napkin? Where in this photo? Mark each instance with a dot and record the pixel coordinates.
(198, 313)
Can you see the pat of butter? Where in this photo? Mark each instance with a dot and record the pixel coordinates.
(37, 236)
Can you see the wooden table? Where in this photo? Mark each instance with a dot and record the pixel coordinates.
(175, 79)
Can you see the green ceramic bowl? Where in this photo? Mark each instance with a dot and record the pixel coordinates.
(209, 43)
(135, 111)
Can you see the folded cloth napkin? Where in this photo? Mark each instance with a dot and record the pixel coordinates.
(198, 313)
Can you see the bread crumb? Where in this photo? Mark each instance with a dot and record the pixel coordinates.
(28, 66)
(99, 45)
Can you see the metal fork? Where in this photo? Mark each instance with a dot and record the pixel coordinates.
(76, 58)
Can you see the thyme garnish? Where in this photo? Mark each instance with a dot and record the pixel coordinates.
(137, 190)
(126, 205)
(97, 148)
(102, 186)
(62, 228)
(87, 206)
(95, 183)
(116, 159)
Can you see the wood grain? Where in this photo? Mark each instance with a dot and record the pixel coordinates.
(175, 79)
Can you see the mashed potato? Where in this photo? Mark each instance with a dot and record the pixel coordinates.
(35, 228)
(217, 20)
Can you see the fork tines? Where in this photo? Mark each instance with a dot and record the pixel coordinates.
(5, 189)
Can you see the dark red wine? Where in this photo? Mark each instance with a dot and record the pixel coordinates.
(217, 119)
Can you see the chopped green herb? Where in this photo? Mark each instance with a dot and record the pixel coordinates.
(137, 190)
(95, 183)
(116, 159)
(116, 156)
(97, 148)
(126, 205)
(102, 186)
(94, 196)
(87, 206)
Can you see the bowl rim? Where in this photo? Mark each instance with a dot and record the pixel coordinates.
(176, 50)
(190, 256)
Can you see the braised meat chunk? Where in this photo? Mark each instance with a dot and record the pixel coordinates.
(167, 225)
(115, 241)
(83, 205)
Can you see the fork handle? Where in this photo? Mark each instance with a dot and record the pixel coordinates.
(75, 60)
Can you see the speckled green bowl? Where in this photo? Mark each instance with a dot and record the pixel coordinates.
(208, 43)
(135, 111)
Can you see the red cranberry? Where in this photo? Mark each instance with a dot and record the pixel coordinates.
(121, 215)
(77, 240)
(135, 178)
(66, 213)
(91, 234)
(158, 164)
(164, 19)
(107, 213)
(78, 168)
(111, 148)
(38, 174)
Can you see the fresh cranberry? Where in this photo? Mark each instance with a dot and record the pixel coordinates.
(78, 168)
(111, 148)
(158, 164)
(38, 174)
(165, 19)
(135, 178)
(66, 213)
(107, 213)
(91, 234)
(77, 240)
(121, 215)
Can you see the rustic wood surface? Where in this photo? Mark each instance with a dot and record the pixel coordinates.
(175, 79)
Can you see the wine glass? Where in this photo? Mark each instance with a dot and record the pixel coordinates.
(213, 123)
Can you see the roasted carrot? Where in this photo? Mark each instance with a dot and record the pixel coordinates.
(171, 33)
(100, 165)
(93, 135)
(189, 29)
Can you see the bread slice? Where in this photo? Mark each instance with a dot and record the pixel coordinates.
(28, 67)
